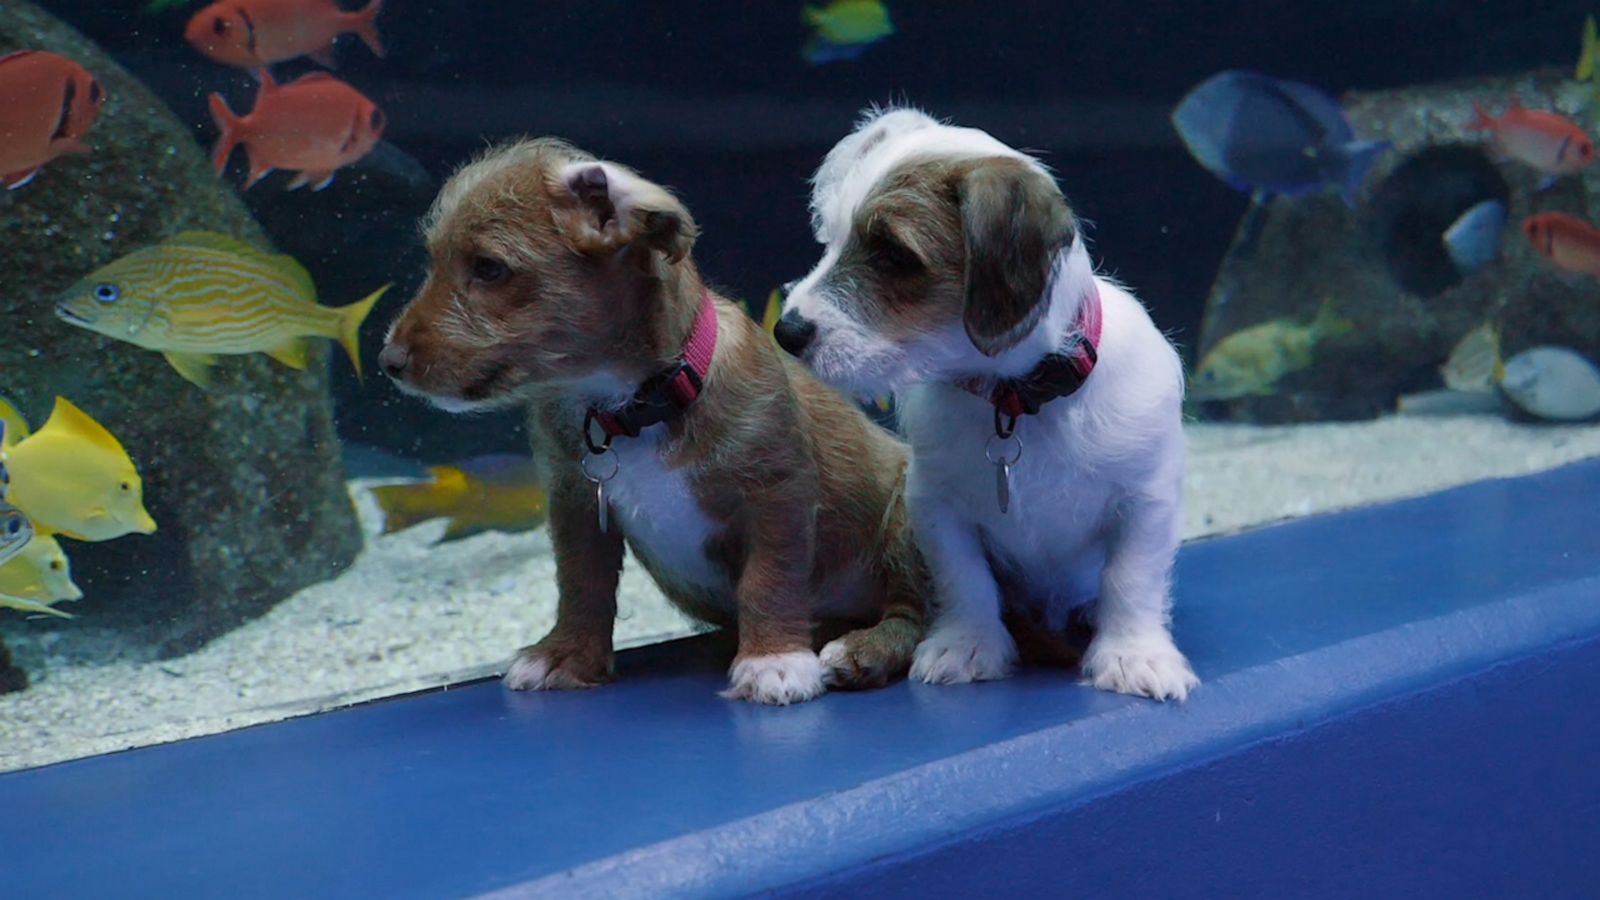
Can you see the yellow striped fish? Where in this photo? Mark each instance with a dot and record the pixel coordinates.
(199, 295)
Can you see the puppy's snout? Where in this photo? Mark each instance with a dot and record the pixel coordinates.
(794, 332)
(393, 359)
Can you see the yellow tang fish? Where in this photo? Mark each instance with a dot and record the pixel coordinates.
(496, 492)
(72, 477)
(1252, 360)
(38, 577)
(200, 294)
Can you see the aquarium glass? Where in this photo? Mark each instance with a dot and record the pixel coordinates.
(1367, 227)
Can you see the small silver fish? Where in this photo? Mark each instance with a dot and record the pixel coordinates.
(15, 531)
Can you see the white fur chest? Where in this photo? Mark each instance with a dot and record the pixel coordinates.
(658, 512)
(1052, 537)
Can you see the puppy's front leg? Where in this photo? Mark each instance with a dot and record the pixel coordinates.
(967, 641)
(1132, 651)
(577, 652)
(775, 663)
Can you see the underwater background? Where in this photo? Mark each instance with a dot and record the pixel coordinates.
(733, 104)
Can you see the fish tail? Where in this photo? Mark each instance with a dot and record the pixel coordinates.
(811, 15)
(1360, 156)
(364, 24)
(1591, 51)
(350, 319)
(1481, 120)
(228, 125)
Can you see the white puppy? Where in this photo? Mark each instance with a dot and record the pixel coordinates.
(955, 276)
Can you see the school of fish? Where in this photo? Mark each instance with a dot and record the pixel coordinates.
(71, 478)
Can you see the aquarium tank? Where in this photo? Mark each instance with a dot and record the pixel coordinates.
(1371, 228)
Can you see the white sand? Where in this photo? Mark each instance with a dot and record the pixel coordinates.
(412, 614)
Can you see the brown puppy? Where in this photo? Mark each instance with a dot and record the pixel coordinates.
(754, 495)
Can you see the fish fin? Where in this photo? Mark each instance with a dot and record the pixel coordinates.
(291, 353)
(460, 528)
(1590, 52)
(32, 606)
(15, 54)
(70, 145)
(1481, 120)
(228, 127)
(317, 180)
(12, 424)
(18, 179)
(774, 310)
(66, 416)
(1360, 156)
(365, 24)
(1329, 323)
(258, 170)
(194, 367)
(324, 57)
(212, 240)
(350, 319)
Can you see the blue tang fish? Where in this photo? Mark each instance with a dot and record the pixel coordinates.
(1271, 137)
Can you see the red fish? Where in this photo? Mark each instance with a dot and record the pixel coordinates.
(313, 125)
(1551, 143)
(47, 102)
(1568, 241)
(254, 34)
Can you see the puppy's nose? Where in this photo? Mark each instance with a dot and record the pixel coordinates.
(393, 359)
(794, 332)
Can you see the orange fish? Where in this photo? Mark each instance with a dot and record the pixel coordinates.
(1568, 241)
(313, 125)
(47, 102)
(1551, 143)
(254, 34)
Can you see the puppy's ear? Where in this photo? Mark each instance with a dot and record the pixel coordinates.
(614, 208)
(1013, 221)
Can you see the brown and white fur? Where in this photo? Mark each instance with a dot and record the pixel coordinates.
(772, 504)
(949, 255)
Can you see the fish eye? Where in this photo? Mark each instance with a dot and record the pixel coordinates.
(125, 486)
(489, 270)
(1208, 375)
(107, 293)
(14, 525)
(219, 25)
(55, 565)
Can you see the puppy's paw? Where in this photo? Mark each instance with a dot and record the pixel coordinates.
(559, 665)
(956, 654)
(1146, 665)
(777, 679)
(870, 657)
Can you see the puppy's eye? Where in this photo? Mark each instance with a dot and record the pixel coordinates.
(489, 270)
(894, 257)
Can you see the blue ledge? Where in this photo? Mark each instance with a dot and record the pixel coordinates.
(1398, 701)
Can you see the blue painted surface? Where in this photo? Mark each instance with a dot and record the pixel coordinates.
(656, 784)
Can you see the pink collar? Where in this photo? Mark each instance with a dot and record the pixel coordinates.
(666, 394)
(1057, 375)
